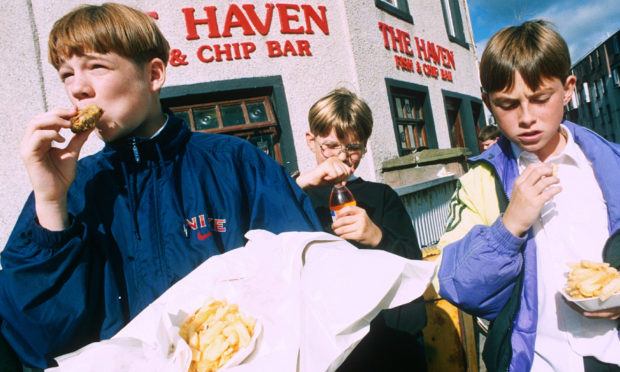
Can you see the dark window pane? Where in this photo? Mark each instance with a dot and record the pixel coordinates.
(205, 119)
(264, 143)
(257, 112)
(183, 115)
(232, 115)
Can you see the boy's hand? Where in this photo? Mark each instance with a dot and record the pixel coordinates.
(612, 313)
(353, 223)
(531, 192)
(51, 169)
(329, 172)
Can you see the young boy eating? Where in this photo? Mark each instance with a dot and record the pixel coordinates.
(515, 223)
(98, 240)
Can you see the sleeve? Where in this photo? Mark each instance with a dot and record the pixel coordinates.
(398, 233)
(276, 202)
(47, 290)
(479, 263)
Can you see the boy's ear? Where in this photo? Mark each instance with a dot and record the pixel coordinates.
(487, 102)
(485, 99)
(157, 73)
(310, 141)
(569, 88)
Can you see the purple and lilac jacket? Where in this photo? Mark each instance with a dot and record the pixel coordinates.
(481, 259)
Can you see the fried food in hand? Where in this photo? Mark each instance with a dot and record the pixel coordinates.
(86, 118)
(589, 279)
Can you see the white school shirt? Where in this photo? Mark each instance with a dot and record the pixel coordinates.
(572, 226)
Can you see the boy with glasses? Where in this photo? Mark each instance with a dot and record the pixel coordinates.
(340, 125)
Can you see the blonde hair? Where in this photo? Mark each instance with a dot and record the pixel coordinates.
(107, 28)
(342, 110)
(533, 49)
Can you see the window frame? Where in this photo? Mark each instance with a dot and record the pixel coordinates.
(453, 19)
(400, 10)
(401, 88)
(218, 90)
(247, 130)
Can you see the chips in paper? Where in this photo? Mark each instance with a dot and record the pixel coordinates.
(215, 333)
(589, 279)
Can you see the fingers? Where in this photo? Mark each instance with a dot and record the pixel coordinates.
(53, 119)
(353, 223)
(604, 314)
(79, 139)
(334, 170)
(532, 190)
(329, 172)
(44, 128)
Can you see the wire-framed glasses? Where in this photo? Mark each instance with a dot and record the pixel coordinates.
(353, 150)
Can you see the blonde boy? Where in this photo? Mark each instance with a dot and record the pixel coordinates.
(100, 239)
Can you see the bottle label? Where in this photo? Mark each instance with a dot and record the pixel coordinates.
(336, 208)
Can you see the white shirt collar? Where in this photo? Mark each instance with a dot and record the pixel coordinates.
(571, 151)
(162, 127)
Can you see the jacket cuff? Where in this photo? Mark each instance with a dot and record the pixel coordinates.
(506, 242)
(48, 239)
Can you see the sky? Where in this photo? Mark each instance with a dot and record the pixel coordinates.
(584, 24)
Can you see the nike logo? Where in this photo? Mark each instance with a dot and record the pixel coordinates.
(204, 236)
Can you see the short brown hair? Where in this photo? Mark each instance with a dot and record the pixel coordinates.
(488, 132)
(342, 110)
(533, 49)
(107, 28)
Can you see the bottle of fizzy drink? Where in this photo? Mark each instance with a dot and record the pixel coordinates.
(340, 197)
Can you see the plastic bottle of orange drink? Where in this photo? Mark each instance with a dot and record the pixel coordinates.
(340, 197)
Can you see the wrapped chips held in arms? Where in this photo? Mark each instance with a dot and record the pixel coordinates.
(86, 118)
(589, 279)
(215, 332)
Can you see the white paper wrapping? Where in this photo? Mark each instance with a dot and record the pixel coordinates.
(313, 294)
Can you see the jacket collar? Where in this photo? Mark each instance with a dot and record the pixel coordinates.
(165, 145)
(604, 156)
(501, 157)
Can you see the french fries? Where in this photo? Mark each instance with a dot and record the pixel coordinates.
(215, 333)
(589, 279)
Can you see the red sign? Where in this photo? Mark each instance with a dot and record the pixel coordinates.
(434, 60)
(294, 19)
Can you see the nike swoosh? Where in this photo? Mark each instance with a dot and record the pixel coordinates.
(204, 236)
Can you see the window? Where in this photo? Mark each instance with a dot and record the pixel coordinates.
(598, 57)
(251, 118)
(412, 116)
(616, 74)
(397, 8)
(595, 88)
(585, 93)
(616, 47)
(601, 86)
(410, 122)
(454, 21)
(455, 125)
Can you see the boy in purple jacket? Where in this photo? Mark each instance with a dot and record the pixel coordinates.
(515, 223)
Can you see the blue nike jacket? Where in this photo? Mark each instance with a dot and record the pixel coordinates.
(144, 214)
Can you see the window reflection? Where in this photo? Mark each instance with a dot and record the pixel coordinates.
(257, 112)
(205, 119)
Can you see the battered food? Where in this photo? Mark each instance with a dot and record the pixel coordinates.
(86, 118)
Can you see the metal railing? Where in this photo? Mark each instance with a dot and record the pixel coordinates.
(428, 205)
